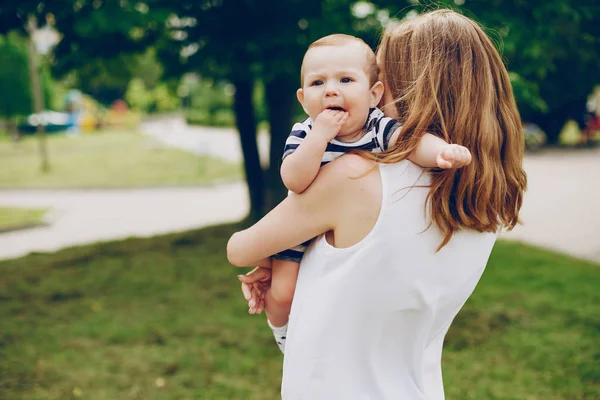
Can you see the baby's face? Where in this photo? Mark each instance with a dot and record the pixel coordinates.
(336, 77)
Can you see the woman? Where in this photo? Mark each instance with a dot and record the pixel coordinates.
(400, 248)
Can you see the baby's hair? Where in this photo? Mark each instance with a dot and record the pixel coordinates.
(339, 39)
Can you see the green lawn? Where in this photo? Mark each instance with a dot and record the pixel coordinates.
(107, 159)
(13, 217)
(162, 318)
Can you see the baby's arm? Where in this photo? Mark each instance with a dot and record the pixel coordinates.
(300, 168)
(435, 152)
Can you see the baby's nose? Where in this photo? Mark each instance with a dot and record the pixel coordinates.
(331, 90)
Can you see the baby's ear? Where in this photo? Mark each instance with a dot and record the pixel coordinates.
(376, 93)
(300, 96)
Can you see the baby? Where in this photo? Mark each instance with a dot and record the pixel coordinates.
(340, 91)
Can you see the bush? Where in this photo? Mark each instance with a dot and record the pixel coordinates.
(220, 118)
(140, 98)
(570, 134)
(164, 99)
(535, 138)
(137, 95)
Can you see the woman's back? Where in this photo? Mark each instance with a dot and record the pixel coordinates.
(368, 321)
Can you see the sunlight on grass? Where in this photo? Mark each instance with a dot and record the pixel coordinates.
(163, 318)
(107, 159)
(13, 217)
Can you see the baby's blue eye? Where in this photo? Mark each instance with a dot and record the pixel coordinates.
(346, 80)
(317, 83)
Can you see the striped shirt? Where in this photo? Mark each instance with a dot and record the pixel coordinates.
(378, 127)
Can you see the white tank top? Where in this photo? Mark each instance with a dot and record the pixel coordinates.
(368, 321)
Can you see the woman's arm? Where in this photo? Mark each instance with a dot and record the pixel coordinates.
(299, 217)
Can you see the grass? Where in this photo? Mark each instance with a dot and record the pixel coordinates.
(107, 160)
(13, 217)
(162, 318)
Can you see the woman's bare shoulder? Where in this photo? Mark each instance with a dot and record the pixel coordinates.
(349, 175)
(350, 166)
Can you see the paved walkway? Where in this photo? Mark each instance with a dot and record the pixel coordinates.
(561, 209)
(220, 142)
(86, 216)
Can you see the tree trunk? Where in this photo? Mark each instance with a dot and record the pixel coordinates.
(13, 131)
(245, 121)
(281, 100)
(36, 94)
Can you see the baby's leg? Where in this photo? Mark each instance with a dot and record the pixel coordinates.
(279, 298)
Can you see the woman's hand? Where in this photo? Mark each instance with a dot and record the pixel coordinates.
(255, 285)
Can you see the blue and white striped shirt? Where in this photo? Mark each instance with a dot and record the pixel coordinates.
(378, 127)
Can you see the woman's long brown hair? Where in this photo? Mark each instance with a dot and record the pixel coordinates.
(448, 79)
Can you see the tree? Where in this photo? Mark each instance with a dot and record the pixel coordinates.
(553, 45)
(37, 92)
(101, 41)
(552, 49)
(240, 41)
(15, 86)
(250, 41)
(107, 80)
(213, 41)
(14, 79)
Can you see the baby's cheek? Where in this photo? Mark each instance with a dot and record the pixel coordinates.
(361, 120)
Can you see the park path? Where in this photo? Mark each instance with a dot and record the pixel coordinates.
(87, 216)
(219, 142)
(561, 209)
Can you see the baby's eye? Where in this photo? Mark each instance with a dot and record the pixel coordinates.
(346, 80)
(316, 83)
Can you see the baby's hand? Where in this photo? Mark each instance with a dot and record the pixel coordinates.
(453, 156)
(329, 123)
